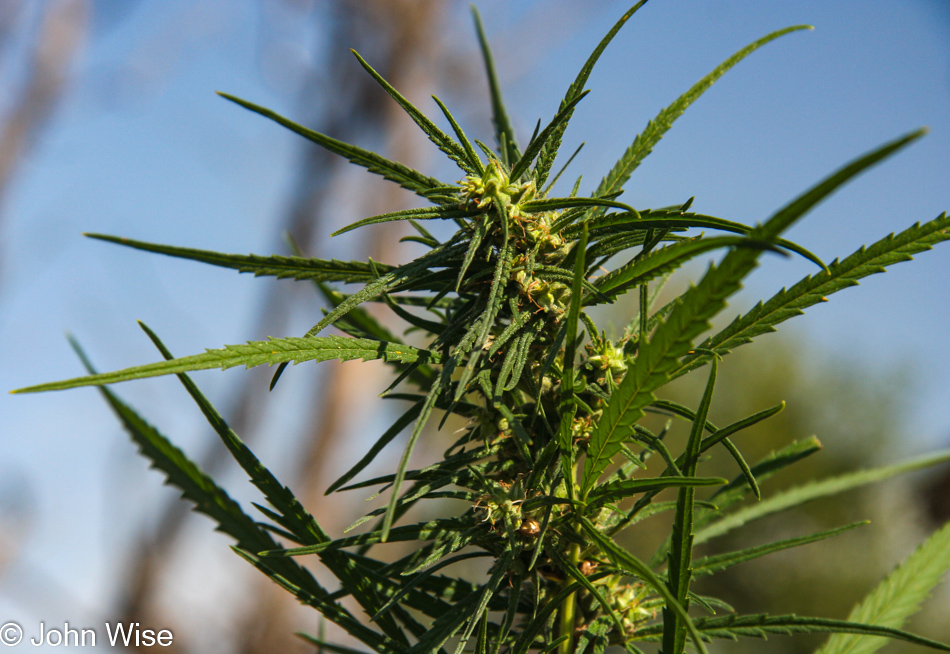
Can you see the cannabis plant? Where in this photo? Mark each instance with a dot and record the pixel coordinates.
(552, 463)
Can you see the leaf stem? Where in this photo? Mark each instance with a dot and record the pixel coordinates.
(644, 307)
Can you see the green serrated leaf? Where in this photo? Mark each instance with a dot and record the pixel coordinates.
(419, 531)
(676, 219)
(322, 644)
(566, 404)
(282, 267)
(504, 132)
(713, 564)
(499, 572)
(765, 468)
(815, 289)
(553, 143)
(759, 626)
(292, 513)
(255, 353)
(814, 490)
(897, 597)
(573, 571)
(557, 176)
(436, 135)
(627, 561)
(537, 143)
(659, 359)
(401, 423)
(424, 413)
(617, 490)
(656, 128)
(425, 213)
(681, 539)
(389, 282)
(472, 156)
(554, 204)
(659, 262)
(481, 229)
(405, 176)
(213, 501)
(420, 577)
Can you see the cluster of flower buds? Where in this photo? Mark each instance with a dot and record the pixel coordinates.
(494, 184)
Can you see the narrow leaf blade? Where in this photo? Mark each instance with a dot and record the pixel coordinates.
(808, 492)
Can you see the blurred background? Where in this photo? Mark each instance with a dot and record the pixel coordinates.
(109, 123)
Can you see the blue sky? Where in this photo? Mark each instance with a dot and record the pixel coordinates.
(141, 147)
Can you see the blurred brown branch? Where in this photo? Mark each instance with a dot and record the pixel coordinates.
(53, 52)
(399, 36)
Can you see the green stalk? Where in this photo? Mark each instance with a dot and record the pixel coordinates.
(568, 609)
(566, 628)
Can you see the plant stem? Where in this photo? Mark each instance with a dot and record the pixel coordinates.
(566, 626)
(567, 609)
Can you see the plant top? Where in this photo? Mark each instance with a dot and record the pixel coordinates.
(552, 464)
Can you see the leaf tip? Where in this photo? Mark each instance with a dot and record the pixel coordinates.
(233, 98)
(280, 371)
